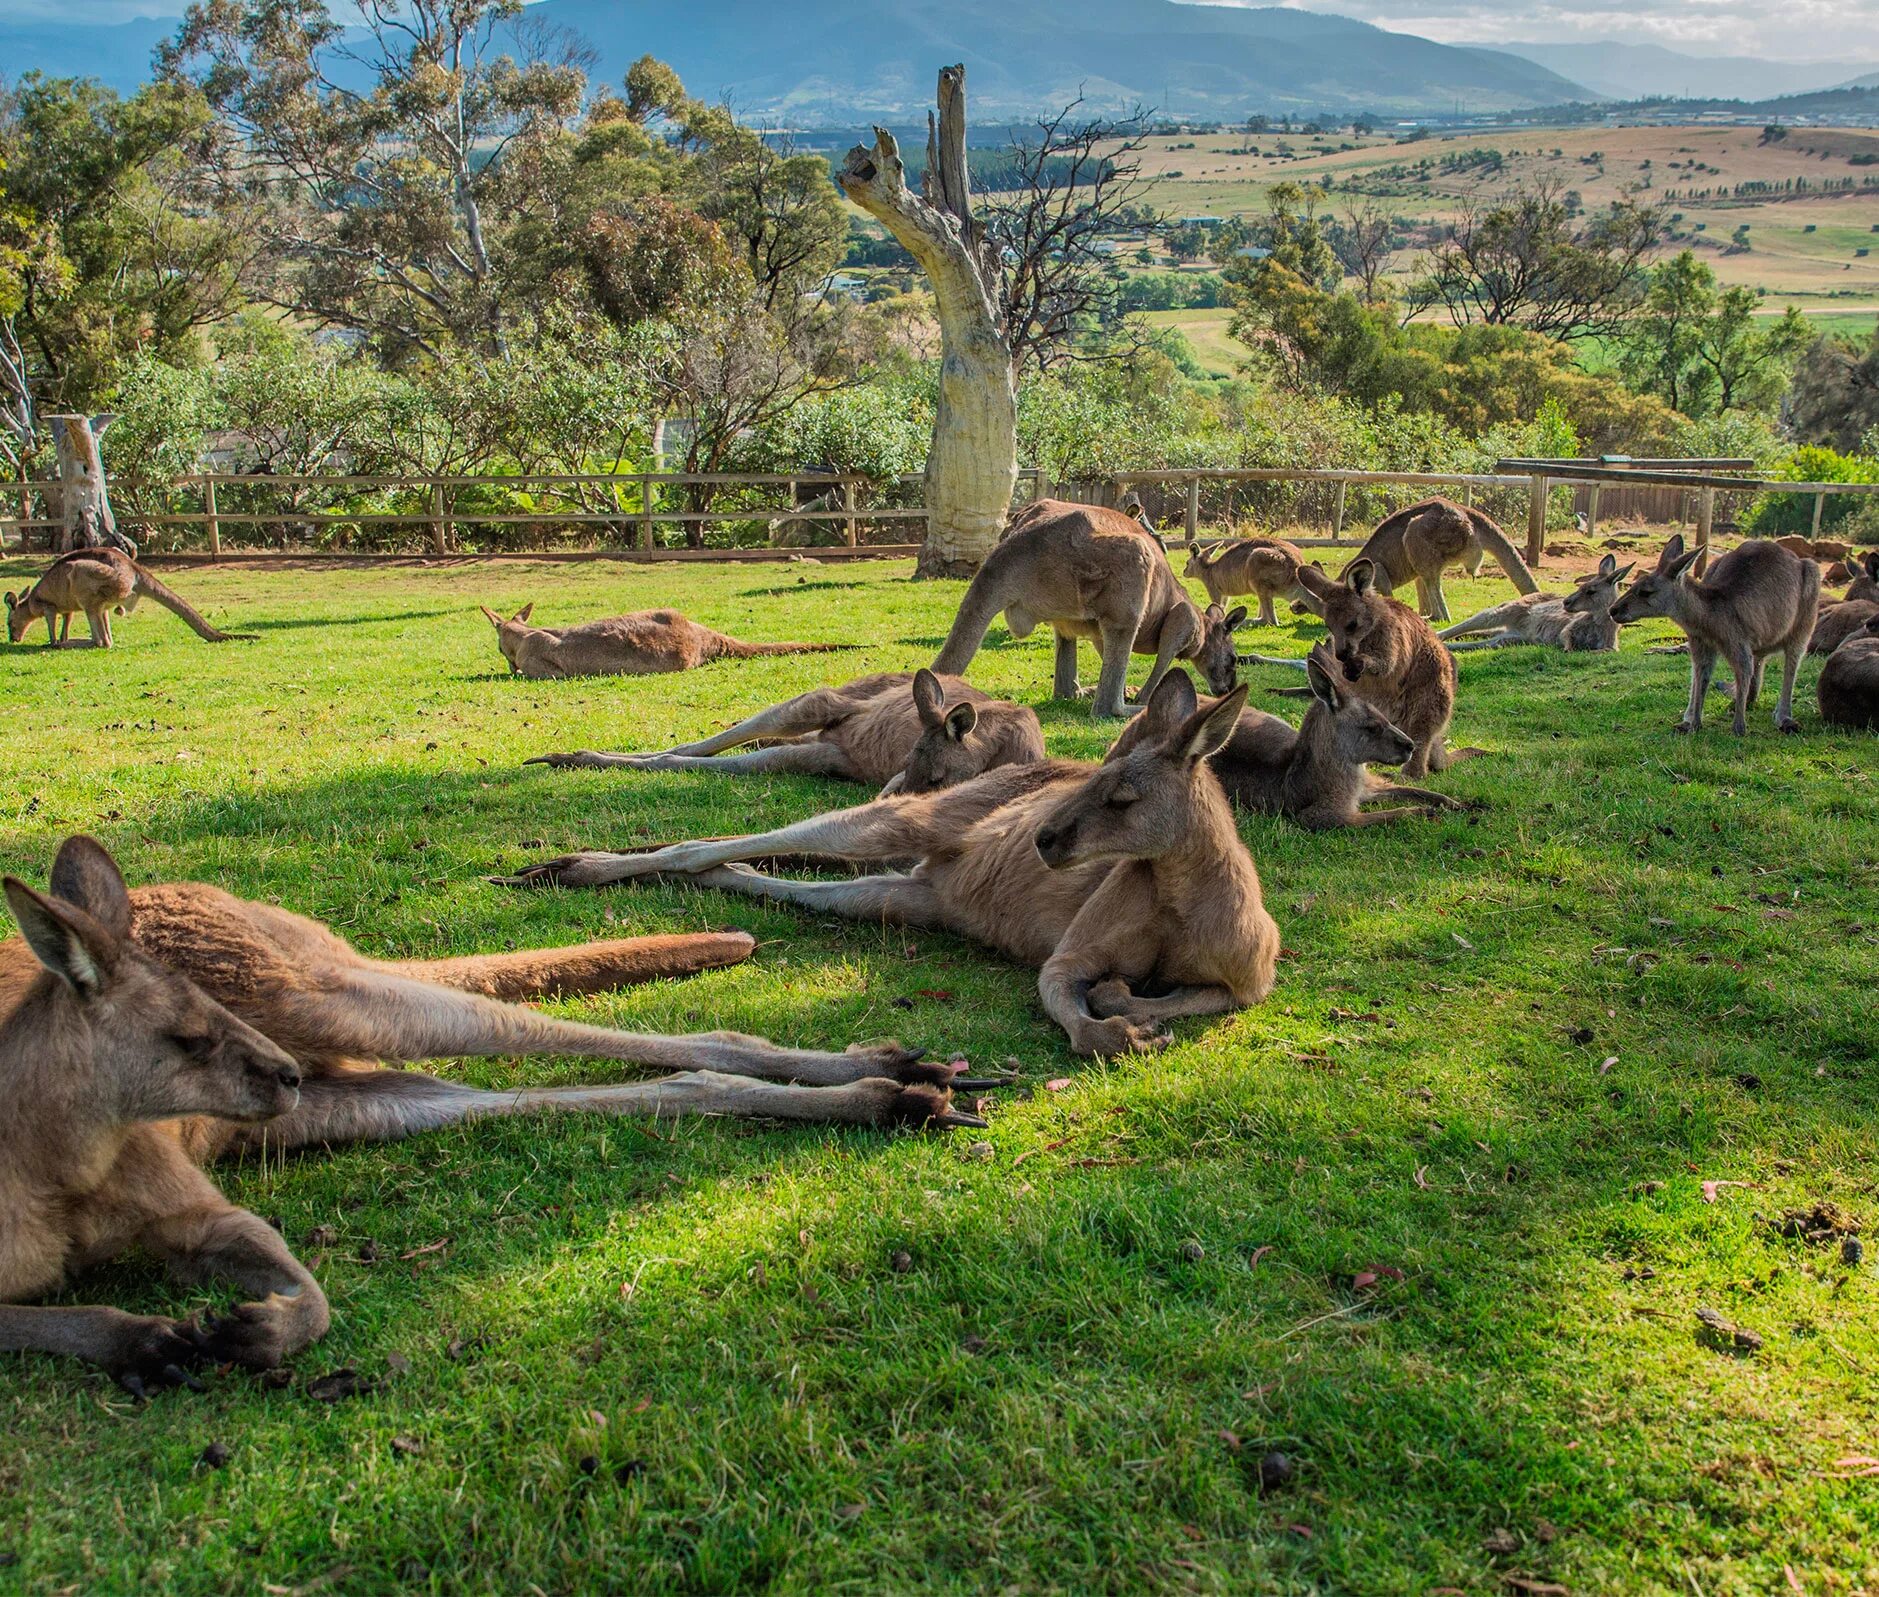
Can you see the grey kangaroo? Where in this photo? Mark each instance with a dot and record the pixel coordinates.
(1579, 622)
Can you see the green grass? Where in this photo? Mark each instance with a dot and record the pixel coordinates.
(1059, 1393)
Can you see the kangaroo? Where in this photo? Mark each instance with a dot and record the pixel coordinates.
(1848, 689)
(641, 644)
(1422, 540)
(1092, 573)
(97, 581)
(1315, 774)
(1842, 617)
(1125, 884)
(144, 1033)
(1755, 601)
(898, 731)
(1267, 567)
(1579, 622)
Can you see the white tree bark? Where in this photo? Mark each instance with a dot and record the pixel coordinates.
(972, 466)
(84, 505)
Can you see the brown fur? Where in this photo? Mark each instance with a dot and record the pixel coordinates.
(1267, 567)
(1126, 883)
(1755, 601)
(1579, 622)
(1422, 540)
(641, 644)
(1391, 657)
(1091, 573)
(142, 1034)
(97, 582)
(1315, 774)
(909, 730)
(1848, 689)
(1842, 617)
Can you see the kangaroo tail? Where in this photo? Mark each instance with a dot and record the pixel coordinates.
(984, 599)
(1488, 530)
(148, 584)
(1270, 659)
(750, 651)
(1480, 622)
(584, 968)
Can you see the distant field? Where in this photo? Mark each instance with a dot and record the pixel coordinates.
(1218, 352)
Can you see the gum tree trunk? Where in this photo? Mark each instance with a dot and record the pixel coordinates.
(86, 521)
(972, 466)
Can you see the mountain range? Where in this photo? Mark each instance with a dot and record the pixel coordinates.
(1614, 71)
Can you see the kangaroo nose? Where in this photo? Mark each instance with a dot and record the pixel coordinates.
(288, 1076)
(1046, 836)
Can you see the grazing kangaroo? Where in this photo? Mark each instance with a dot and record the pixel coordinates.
(142, 1034)
(1757, 600)
(1579, 622)
(1848, 689)
(1842, 617)
(1091, 573)
(641, 644)
(898, 731)
(1125, 884)
(1421, 540)
(97, 581)
(1314, 775)
(1267, 567)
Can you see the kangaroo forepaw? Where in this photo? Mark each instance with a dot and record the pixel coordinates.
(1104, 1039)
(253, 1335)
(1108, 999)
(155, 1353)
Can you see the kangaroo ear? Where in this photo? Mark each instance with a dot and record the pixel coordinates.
(1170, 704)
(1682, 563)
(12, 599)
(1324, 687)
(1236, 618)
(1619, 576)
(1608, 565)
(85, 874)
(1206, 731)
(63, 938)
(1313, 580)
(929, 697)
(1872, 566)
(960, 720)
(1361, 577)
(1673, 552)
(494, 619)
(525, 612)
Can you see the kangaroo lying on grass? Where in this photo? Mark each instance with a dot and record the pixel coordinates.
(1315, 774)
(1579, 622)
(1848, 689)
(1421, 540)
(902, 732)
(641, 644)
(142, 1034)
(1842, 617)
(1091, 573)
(97, 581)
(1125, 883)
(1757, 600)
(1267, 567)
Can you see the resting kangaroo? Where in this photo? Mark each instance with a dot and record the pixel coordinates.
(1842, 617)
(142, 1034)
(1421, 540)
(1848, 689)
(1091, 573)
(1579, 622)
(1315, 775)
(97, 581)
(912, 732)
(1757, 600)
(1125, 883)
(641, 644)
(1267, 567)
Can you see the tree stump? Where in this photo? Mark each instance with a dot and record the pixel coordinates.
(84, 509)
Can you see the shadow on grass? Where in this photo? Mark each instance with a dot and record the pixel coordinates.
(303, 623)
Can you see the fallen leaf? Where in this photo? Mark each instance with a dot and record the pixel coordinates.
(1232, 1440)
(1422, 1176)
(938, 994)
(1501, 1541)
(1537, 1588)
(1363, 1279)
(1057, 1084)
(407, 1446)
(430, 1247)
(1258, 1254)
(1463, 941)
(1605, 1065)
(851, 1510)
(340, 1385)
(1712, 1188)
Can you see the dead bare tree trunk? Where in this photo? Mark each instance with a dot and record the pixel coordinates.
(972, 466)
(84, 505)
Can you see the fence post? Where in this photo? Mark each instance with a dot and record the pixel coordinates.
(1536, 520)
(1337, 515)
(1193, 509)
(440, 526)
(848, 504)
(1820, 501)
(215, 526)
(645, 513)
(1591, 511)
(1705, 519)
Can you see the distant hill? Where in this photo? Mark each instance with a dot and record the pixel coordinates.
(1640, 71)
(815, 60)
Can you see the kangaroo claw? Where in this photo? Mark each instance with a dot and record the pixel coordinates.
(959, 1119)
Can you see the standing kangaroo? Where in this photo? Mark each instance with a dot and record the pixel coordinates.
(142, 1034)
(1422, 540)
(1314, 775)
(1092, 573)
(898, 731)
(641, 644)
(97, 581)
(1125, 884)
(1848, 689)
(1267, 567)
(1755, 601)
(1579, 622)
(1842, 617)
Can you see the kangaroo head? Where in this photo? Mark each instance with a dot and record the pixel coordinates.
(942, 755)
(1361, 734)
(510, 633)
(1655, 592)
(134, 1040)
(1215, 656)
(1154, 798)
(21, 612)
(1355, 616)
(1596, 594)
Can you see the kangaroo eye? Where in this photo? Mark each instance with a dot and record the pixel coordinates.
(1123, 797)
(192, 1042)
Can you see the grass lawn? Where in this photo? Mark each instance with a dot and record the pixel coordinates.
(1538, 1072)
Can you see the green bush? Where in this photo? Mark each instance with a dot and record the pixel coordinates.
(1776, 513)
